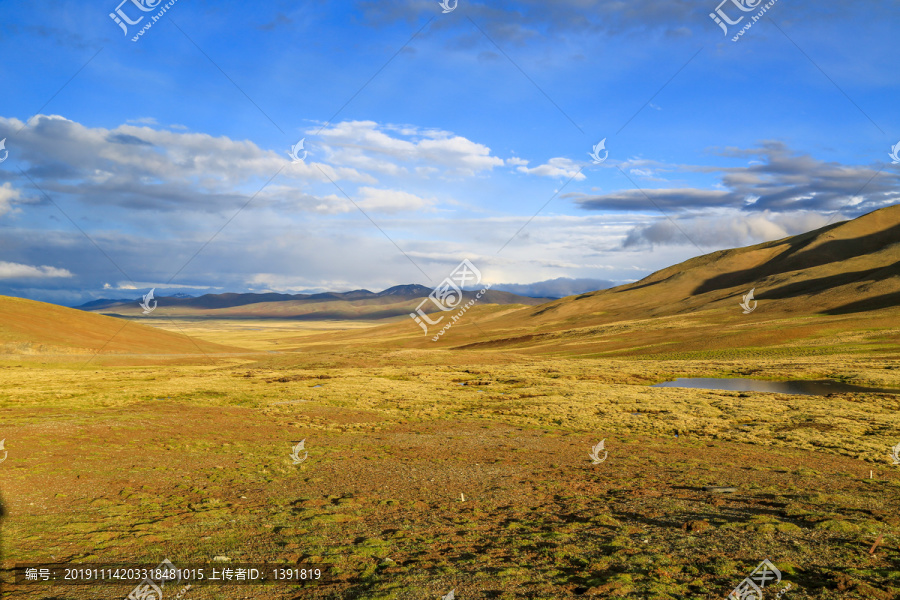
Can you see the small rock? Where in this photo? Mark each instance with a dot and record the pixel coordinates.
(221, 559)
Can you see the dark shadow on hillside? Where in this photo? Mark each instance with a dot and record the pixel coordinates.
(876, 303)
(829, 252)
(821, 284)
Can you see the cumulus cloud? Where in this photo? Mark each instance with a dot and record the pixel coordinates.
(556, 167)
(392, 201)
(724, 231)
(367, 146)
(289, 199)
(777, 180)
(139, 167)
(789, 181)
(9, 270)
(8, 196)
(286, 198)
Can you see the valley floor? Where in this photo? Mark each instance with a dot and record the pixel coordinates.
(438, 470)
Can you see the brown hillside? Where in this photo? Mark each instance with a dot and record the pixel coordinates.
(845, 267)
(27, 326)
(844, 277)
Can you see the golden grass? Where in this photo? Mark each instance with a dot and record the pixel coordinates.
(30, 327)
(141, 456)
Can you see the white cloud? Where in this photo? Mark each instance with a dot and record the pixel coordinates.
(732, 229)
(391, 201)
(289, 198)
(140, 167)
(785, 181)
(556, 167)
(10, 270)
(8, 195)
(365, 145)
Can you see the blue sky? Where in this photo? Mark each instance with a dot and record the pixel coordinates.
(431, 137)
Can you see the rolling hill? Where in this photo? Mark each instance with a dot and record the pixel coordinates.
(833, 281)
(31, 327)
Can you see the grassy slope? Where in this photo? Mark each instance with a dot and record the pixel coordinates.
(838, 280)
(29, 326)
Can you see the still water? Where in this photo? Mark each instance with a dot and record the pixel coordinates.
(807, 388)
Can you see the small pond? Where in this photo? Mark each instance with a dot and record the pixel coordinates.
(806, 388)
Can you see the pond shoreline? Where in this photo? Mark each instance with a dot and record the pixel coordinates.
(805, 387)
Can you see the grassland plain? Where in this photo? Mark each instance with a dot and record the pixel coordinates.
(134, 458)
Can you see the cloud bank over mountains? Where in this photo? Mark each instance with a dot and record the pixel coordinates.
(191, 183)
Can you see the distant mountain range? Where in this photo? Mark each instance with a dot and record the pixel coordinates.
(110, 302)
(840, 280)
(357, 304)
(798, 294)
